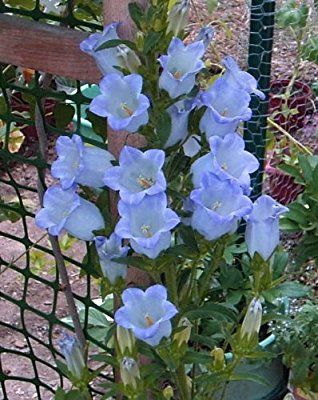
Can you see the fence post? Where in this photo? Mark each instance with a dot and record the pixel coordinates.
(259, 65)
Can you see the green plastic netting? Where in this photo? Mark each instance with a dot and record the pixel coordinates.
(32, 304)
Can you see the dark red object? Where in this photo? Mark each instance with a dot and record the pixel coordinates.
(282, 186)
(299, 100)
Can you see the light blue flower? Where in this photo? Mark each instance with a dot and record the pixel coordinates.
(107, 250)
(227, 159)
(121, 102)
(206, 34)
(218, 206)
(147, 313)
(65, 209)
(179, 113)
(227, 106)
(139, 174)
(192, 145)
(80, 163)
(180, 67)
(262, 228)
(106, 59)
(73, 354)
(147, 224)
(235, 77)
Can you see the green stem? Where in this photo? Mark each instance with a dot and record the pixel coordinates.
(217, 256)
(182, 384)
(233, 366)
(171, 279)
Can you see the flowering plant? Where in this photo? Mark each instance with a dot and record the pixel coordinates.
(182, 200)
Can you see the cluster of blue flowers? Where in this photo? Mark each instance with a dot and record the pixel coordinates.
(221, 178)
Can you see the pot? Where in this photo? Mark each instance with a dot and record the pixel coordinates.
(282, 186)
(298, 100)
(273, 371)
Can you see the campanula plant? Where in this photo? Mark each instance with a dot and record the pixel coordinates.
(175, 211)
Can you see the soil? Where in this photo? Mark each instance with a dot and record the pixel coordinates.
(236, 15)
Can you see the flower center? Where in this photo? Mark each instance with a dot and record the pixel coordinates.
(225, 112)
(149, 321)
(127, 110)
(146, 231)
(216, 205)
(145, 183)
(177, 74)
(224, 166)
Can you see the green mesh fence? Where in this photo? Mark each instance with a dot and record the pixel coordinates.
(32, 303)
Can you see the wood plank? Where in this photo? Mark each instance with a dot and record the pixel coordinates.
(48, 48)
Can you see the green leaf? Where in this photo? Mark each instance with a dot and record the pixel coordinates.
(3, 105)
(212, 5)
(63, 114)
(293, 171)
(188, 237)
(116, 42)
(279, 263)
(212, 310)
(193, 357)
(249, 377)
(293, 289)
(164, 128)
(136, 14)
(105, 358)
(138, 262)
(306, 167)
(151, 40)
(99, 125)
(62, 367)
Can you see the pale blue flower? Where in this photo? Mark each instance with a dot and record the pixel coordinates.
(121, 102)
(107, 250)
(227, 106)
(139, 174)
(147, 313)
(80, 163)
(73, 354)
(180, 67)
(105, 59)
(65, 209)
(147, 224)
(262, 227)
(228, 159)
(179, 113)
(218, 206)
(192, 145)
(235, 77)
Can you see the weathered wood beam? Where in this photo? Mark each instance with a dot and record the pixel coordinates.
(43, 47)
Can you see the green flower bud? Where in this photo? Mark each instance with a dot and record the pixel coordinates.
(168, 393)
(252, 320)
(140, 40)
(127, 58)
(178, 16)
(125, 339)
(219, 362)
(184, 335)
(129, 372)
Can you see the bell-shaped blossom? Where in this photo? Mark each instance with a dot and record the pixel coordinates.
(219, 205)
(73, 354)
(105, 59)
(65, 209)
(179, 114)
(121, 102)
(228, 159)
(227, 106)
(138, 174)
(107, 250)
(262, 228)
(206, 34)
(235, 77)
(80, 163)
(180, 67)
(178, 16)
(147, 224)
(252, 321)
(147, 313)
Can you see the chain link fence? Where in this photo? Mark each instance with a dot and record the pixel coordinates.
(33, 311)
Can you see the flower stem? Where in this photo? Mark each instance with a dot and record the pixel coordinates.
(182, 384)
(171, 280)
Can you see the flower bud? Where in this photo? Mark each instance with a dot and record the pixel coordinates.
(184, 335)
(252, 320)
(140, 40)
(73, 353)
(178, 16)
(127, 58)
(129, 372)
(206, 34)
(218, 354)
(168, 393)
(125, 339)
